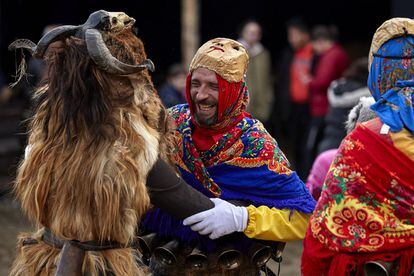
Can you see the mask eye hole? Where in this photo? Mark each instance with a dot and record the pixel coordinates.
(236, 48)
(114, 20)
(122, 82)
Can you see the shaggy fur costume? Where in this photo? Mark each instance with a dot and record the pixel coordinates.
(94, 138)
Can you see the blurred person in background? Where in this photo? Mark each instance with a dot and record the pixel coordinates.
(173, 91)
(291, 107)
(343, 95)
(331, 64)
(359, 113)
(258, 76)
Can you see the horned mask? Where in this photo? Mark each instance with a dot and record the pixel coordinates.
(91, 31)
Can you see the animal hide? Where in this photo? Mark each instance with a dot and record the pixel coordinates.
(94, 137)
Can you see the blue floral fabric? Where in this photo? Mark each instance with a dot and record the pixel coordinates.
(391, 81)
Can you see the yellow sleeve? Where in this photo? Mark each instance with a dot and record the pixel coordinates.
(276, 225)
(404, 141)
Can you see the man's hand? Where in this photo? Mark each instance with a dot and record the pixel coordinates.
(225, 218)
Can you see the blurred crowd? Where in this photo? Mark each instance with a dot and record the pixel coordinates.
(302, 95)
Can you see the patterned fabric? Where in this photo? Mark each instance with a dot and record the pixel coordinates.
(245, 164)
(391, 82)
(366, 207)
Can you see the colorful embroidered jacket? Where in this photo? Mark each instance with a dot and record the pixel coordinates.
(246, 164)
(366, 209)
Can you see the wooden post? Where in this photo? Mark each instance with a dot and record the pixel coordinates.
(190, 34)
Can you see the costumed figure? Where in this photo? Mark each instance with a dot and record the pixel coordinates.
(98, 129)
(363, 223)
(226, 154)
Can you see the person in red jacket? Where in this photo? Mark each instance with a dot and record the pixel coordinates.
(330, 65)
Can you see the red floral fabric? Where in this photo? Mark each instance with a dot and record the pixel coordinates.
(366, 209)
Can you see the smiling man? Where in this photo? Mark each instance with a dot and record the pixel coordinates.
(204, 96)
(229, 156)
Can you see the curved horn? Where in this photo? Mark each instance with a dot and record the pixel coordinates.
(23, 43)
(52, 36)
(103, 58)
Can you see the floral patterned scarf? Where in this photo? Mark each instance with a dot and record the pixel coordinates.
(391, 81)
(366, 209)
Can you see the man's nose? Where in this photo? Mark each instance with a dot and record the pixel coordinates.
(202, 94)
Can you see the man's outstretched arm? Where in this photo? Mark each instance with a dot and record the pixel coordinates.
(169, 192)
(256, 222)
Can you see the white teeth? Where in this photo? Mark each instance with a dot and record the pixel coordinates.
(205, 107)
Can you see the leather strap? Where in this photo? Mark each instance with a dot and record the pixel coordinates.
(71, 260)
(73, 251)
(50, 239)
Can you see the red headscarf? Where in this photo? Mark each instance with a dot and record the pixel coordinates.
(232, 101)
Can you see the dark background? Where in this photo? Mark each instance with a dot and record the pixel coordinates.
(159, 21)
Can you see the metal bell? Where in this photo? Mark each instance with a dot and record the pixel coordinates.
(167, 254)
(259, 254)
(377, 268)
(147, 244)
(229, 258)
(196, 260)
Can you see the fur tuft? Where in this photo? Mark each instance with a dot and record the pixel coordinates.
(94, 137)
(360, 113)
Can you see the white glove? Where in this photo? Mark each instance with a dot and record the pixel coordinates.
(225, 218)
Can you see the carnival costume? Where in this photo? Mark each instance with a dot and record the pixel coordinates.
(235, 159)
(98, 129)
(364, 220)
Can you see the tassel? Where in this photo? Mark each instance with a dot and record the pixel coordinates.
(20, 71)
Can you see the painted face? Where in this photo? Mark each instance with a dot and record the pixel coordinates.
(227, 57)
(204, 94)
(221, 47)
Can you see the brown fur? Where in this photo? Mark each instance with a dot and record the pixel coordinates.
(94, 138)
